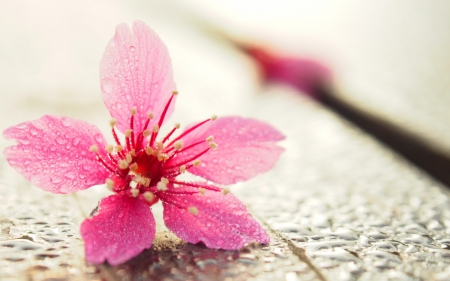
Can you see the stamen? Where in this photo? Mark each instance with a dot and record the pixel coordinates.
(134, 167)
(123, 164)
(182, 168)
(174, 93)
(119, 148)
(146, 182)
(128, 132)
(146, 133)
(214, 117)
(133, 111)
(149, 150)
(193, 210)
(164, 180)
(93, 148)
(110, 184)
(210, 138)
(225, 190)
(155, 128)
(112, 122)
(161, 186)
(188, 131)
(177, 125)
(159, 145)
(202, 190)
(213, 145)
(196, 163)
(150, 115)
(178, 144)
(128, 158)
(109, 148)
(149, 196)
(134, 192)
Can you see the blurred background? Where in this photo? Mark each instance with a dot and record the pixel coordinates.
(390, 60)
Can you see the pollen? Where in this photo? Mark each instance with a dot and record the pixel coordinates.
(196, 163)
(146, 182)
(213, 145)
(146, 133)
(193, 210)
(182, 168)
(133, 111)
(93, 148)
(214, 117)
(128, 132)
(159, 145)
(177, 125)
(150, 115)
(161, 186)
(119, 148)
(109, 148)
(202, 190)
(164, 180)
(149, 196)
(112, 122)
(210, 138)
(178, 145)
(225, 190)
(134, 167)
(174, 93)
(155, 128)
(134, 192)
(123, 164)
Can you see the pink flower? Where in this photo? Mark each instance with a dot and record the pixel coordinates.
(62, 155)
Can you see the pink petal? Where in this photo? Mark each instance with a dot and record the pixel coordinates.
(246, 148)
(135, 71)
(122, 229)
(53, 153)
(222, 221)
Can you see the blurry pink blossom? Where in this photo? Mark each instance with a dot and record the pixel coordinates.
(63, 155)
(306, 75)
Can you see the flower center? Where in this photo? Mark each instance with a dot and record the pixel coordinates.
(143, 165)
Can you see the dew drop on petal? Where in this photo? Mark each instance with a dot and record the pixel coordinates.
(132, 48)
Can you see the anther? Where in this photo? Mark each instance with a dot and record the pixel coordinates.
(155, 128)
(213, 145)
(146, 182)
(214, 117)
(174, 93)
(182, 168)
(146, 133)
(123, 164)
(148, 196)
(162, 157)
(109, 184)
(134, 167)
(128, 132)
(225, 190)
(159, 145)
(196, 163)
(164, 180)
(161, 186)
(178, 144)
(202, 190)
(134, 192)
(93, 148)
(177, 125)
(210, 138)
(109, 148)
(128, 158)
(112, 122)
(133, 110)
(133, 152)
(193, 210)
(119, 148)
(150, 115)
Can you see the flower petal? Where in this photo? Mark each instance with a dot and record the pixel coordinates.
(53, 153)
(135, 71)
(123, 228)
(246, 147)
(220, 221)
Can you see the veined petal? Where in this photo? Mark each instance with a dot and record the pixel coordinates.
(220, 221)
(246, 147)
(123, 228)
(135, 71)
(53, 153)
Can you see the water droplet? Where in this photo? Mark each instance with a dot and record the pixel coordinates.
(132, 48)
(65, 122)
